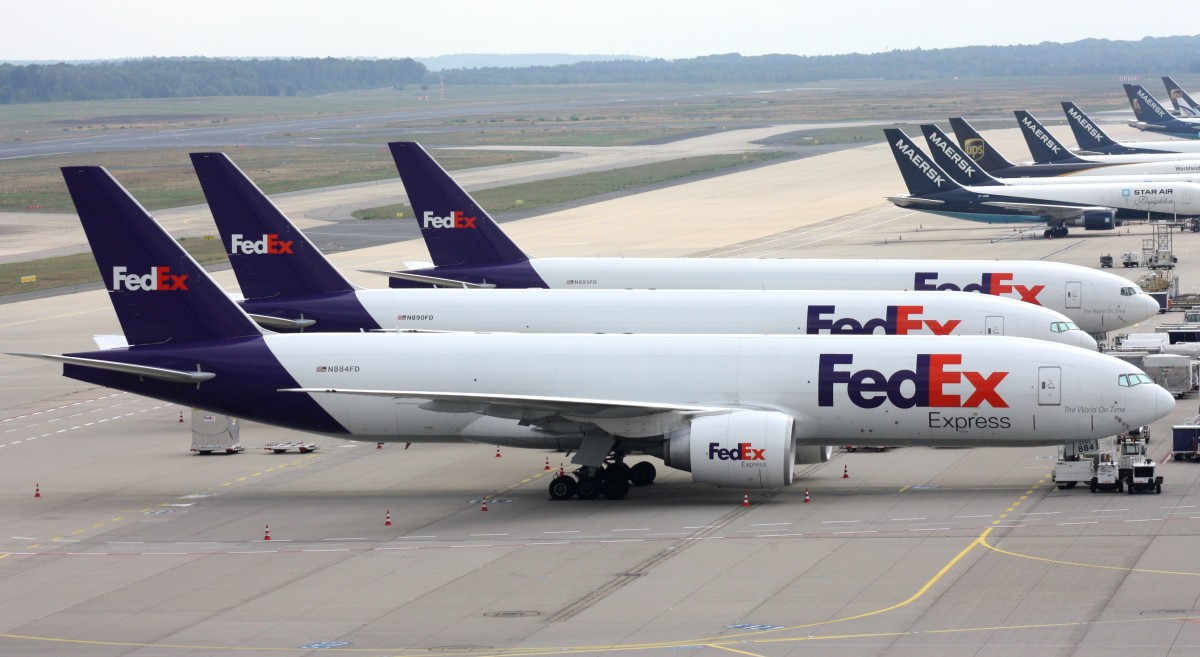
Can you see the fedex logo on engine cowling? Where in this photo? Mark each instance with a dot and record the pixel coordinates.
(994, 283)
(935, 382)
(898, 320)
(455, 220)
(743, 452)
(270, 243)
(159, 279)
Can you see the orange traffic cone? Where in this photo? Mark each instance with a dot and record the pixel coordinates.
(484, 508)
(387, 521)
(547, 464)
(845, 472)
(745, 499)
(807, 499)
(181, 417)
(267, 535)
(378, 445)
(561, 472)
(37, 490)
(497, 451)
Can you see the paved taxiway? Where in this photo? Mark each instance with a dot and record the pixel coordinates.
(138, 548)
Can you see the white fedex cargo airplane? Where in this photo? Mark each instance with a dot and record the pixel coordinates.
(288, 284)
(733, 410)
(472, 250)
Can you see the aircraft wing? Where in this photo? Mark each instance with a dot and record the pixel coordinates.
(1048, 209)
(914, 201)
(630, 419)
(434, 281)
(160, 373)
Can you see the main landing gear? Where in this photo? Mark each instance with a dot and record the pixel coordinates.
(611, 481)
(1055, 232)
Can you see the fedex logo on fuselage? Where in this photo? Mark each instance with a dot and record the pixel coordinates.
(994, 283)
(743, 452)
(270, 243)
(924, 167)
(1046, 139)
(952, 153)
(899, 320)
(159, 279)
(1085, 124)
(926, 386)
(455, 220)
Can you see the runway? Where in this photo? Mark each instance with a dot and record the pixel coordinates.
(137, 547)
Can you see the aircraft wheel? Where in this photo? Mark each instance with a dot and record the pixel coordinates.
(615, 488)
(1046, 233)
(1071, 484)
(642, 474)
(617, 471)
(1093, 485)
(563, 488)
(589, 488)
(1158, 489)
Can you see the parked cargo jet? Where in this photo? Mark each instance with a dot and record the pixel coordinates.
(1047, 149)
(272, 259)
(1181, 102)
(1153, 117)
(733, 410)
(954, 161)
(1093, 206)
(990, 160)
(1093, 140)
(471, 249)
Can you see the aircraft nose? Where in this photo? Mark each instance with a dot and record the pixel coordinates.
(1148, 307)
(1164, 402)
(1082, 339)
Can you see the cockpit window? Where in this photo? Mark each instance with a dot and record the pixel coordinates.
(1062, 327)
(1130, 291)
(1130, 380)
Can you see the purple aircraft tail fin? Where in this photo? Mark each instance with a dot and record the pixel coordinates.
(270, 256)
(160, 293)
(457, 231)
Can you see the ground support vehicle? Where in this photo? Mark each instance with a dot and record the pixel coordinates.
(1144, 477)
(215, 434)
(1186, 441)
(1108, 477)
(299, 445)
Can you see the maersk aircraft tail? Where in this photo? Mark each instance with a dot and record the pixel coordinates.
(1153, 117)
(1181, 101)
(1044, 147)
(1093, 140)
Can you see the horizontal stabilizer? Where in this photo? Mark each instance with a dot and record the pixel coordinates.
(433, 281)
(282, 323)
(106, 342)
(160, 373)
(914, 201)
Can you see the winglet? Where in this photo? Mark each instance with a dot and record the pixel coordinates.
(159, 292)
(456, 230)
(270, 256)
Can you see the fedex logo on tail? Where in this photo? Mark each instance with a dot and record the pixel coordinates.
(994, 283)
(270, 243)
(455, 220)
(899, 320)
(743, 452)
(159, 279)
(928, 385)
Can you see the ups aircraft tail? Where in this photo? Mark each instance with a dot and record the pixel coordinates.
(270, 256)
(1152, 116)
(161, 295)
(953, 159)
(1042, 145)
(973, 143)
(456, 230)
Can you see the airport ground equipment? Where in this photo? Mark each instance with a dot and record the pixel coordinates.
(877, 448)
(1106, 261)
(215, 434)
(1144, 477)
(1186, 440)
(1077, 461)
(301, 446)
(1107, 478)
(1171, 371)
(1129, 259)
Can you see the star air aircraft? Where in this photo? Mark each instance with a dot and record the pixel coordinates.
(735, 411)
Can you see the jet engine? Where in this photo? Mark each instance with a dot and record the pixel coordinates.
(813, 453)
(743, 449)
(1096, 220)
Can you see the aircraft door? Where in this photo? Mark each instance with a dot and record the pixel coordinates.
(1049, 386)
(1074, 294)
(993, 325)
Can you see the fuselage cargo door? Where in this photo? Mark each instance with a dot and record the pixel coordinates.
(1049, 386)
(993, 325)
(1074, 294)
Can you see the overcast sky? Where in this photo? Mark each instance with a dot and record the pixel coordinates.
(672, 29)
